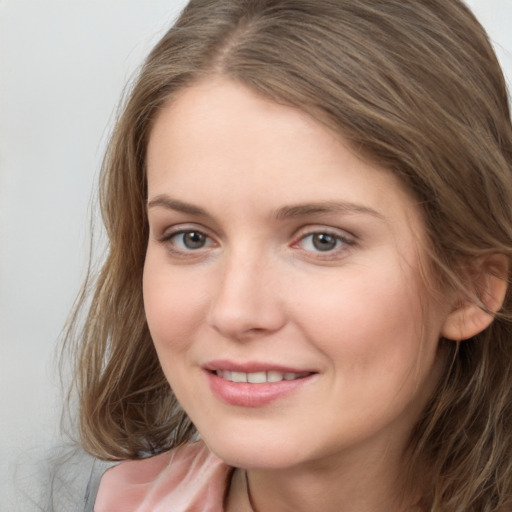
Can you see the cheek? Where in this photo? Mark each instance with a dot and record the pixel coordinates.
(369, 317)
(174, 304)
(382, 357)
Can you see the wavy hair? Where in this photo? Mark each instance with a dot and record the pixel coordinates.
(413, 85)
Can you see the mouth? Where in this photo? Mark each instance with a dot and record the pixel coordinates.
(255, 384)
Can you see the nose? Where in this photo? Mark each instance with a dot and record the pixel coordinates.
(247, 302)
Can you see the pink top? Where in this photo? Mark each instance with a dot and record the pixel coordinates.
(186, 479)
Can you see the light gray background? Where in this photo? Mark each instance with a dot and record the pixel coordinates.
(63, 66)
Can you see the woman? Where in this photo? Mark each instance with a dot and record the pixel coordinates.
(309, 211)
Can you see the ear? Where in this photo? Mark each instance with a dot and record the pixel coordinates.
(475, 311)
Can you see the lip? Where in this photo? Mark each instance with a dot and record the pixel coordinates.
(244, 394)
(251, 367)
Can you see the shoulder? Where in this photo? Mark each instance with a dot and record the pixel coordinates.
(187, 478)
(59, 478)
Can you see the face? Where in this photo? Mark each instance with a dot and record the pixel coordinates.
(282, 283)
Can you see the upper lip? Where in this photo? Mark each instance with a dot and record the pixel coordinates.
(251, 367)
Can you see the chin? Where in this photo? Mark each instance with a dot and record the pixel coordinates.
(255, 451)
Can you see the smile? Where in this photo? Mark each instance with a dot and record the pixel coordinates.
(253, 385)
(259, 377)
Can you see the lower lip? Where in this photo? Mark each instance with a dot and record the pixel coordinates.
(245, 394)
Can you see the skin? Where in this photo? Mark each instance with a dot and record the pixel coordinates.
(258, 289)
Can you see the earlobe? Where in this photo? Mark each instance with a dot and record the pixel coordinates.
(476, 311)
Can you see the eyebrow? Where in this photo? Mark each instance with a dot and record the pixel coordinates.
(302, 210)
(285, 212)
(169, 203)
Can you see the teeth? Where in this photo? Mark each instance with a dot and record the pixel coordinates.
(238, 377)
(259, 377)
(274, 376)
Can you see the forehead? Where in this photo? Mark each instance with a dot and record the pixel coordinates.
(218, 142)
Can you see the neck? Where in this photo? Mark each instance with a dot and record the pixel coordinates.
(340, 485)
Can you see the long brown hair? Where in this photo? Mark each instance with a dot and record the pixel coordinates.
(413, 85)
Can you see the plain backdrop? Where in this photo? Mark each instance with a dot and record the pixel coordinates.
(63, 66)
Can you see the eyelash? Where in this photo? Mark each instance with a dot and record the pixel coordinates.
(342, 242)
(168, 238)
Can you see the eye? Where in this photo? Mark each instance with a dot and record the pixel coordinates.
(189, 240)
(323, 241)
